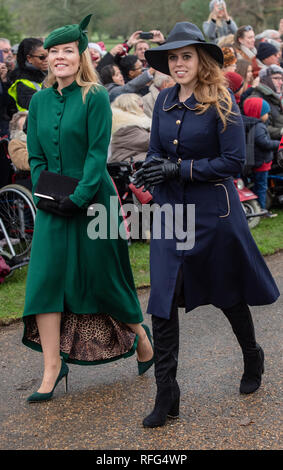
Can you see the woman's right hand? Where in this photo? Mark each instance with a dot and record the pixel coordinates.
(118, 49)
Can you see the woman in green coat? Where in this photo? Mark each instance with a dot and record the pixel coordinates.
(81, 301)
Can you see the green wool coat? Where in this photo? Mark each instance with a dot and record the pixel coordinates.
(67, 269)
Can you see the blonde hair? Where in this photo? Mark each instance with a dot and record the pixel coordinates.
(211, 88)
(14, 123)
(86, 76)
(129, 102)
(226, 41)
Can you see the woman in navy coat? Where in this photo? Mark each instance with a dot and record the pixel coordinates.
(197, 146)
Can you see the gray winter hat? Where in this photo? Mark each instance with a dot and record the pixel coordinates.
(211, 4)
(271, 70)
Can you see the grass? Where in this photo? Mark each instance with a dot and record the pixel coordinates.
(268, 234)
(268, 237)
(12, 293)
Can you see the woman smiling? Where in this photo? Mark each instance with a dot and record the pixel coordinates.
(81, 302)
(197, 146)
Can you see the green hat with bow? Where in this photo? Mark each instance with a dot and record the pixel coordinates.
(69, 33)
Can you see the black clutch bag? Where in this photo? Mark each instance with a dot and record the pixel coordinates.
(55, 187)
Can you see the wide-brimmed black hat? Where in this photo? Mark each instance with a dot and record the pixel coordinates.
(183, 34)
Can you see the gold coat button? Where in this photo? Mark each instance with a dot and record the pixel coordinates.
(175, 141)
(178, 122)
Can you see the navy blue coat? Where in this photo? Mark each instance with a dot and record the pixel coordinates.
(224, 265)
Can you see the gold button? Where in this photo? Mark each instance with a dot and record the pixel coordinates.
(175, 142)
(178, 122)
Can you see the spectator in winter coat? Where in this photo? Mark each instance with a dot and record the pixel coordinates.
(96, 53)
(270, 89)
(7, 105)
(112, 78)
(244, 68)
(130, 129)
(245, 43)
(267, 55)
(31, 70)
(235, 83)
(263, 149)
(230, 59)
(219, 23)
(160, 81)
(18, 144)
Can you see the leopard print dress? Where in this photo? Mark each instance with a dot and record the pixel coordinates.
(87, 339)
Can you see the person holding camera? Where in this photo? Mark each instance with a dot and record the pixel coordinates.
(142, 45)
(219, 23)
(113, 80)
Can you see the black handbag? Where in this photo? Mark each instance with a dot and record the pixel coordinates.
(54, 186)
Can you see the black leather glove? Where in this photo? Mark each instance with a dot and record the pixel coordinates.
(64, 208)
(68, 208)
(156, 171)
(280, 158)
(48, 205)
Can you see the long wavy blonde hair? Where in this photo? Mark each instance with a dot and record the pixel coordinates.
(211, 88)
(86, 76)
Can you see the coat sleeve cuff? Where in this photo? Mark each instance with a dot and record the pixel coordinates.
(186, 170)
(79, 201)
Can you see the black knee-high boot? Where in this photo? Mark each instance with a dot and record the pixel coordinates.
(166, 349)
(241, 321)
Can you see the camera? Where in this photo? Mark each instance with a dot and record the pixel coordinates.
(124, 52)
(146, 35)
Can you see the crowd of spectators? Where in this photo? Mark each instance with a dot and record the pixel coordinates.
(252, 67)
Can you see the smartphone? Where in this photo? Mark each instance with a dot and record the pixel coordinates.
(146, 35)
(1, 56)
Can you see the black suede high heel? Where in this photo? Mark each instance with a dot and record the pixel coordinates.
(167, 405)
(253, 370)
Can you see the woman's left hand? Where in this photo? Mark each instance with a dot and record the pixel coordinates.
(68, 208)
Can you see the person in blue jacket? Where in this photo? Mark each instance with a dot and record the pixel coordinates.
(197, 146)
(257, 111)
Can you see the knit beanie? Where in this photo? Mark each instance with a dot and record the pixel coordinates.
(211, 4)
(229, 56)
(94, 45)
(270, 70)
(264, 50)
(255, 107)
(235, 81)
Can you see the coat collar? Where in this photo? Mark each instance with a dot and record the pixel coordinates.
(171, 100)
(66, 90)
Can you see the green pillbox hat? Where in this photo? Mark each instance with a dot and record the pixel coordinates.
(69, 33)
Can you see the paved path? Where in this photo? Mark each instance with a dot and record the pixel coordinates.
(105, 404)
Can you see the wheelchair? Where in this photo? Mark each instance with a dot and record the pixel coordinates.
(17, 212)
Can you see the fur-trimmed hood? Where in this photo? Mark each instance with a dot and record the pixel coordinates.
(123, 119)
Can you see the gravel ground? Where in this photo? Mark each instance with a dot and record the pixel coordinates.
(106, 404)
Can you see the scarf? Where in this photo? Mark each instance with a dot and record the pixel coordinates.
(251, 53)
